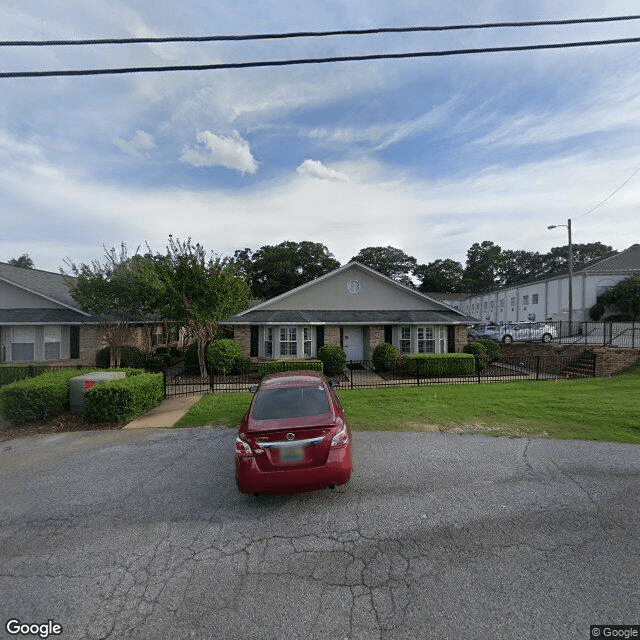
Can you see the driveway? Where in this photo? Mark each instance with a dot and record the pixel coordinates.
(141, 535)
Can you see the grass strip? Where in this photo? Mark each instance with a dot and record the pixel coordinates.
(604, 409)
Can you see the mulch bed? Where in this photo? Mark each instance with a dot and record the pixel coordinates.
(62, 423)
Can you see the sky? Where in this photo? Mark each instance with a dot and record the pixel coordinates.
(429, 155)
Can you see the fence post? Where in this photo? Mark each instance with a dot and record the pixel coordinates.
(478, 366)
(537, 367)
(350, 370)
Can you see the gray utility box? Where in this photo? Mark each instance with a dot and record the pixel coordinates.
(88, 380)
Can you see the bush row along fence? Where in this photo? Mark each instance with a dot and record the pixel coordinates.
(435, 371)
(603, 334)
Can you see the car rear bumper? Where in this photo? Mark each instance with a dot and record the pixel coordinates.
(336, 471)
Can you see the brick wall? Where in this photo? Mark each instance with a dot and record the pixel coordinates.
(609, 360)
(331, 334)
(461, 338)
(242, 336)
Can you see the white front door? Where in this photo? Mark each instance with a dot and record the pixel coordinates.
(352, 342)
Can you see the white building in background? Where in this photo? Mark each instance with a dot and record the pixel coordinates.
(548, 299)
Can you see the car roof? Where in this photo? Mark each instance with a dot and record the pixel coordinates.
(292, 379)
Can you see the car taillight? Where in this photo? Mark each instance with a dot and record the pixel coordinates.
(341, 439)
(243, 449)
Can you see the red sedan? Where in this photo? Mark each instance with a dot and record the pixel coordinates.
(294, 436)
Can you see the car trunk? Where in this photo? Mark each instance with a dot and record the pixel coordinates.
(275, 452)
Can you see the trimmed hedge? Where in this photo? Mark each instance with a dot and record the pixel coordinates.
(433, 365)
(277, 366)
(385, 357)
(222, 355)
(124, 399)
(13, 372)
(334, 359)
(39, 398)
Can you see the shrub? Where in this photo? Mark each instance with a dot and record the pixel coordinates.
(433, 365)
(158, 361)
(242, 364)
(221, 355)
(129, 357)
(12, 373)
(333, 359)
(277, 366)
(39, 398)
(479, 351)
(124, 399)
(493, 349)
(385, 357)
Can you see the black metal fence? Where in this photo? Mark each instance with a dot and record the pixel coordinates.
(362, 374)
(603, 334)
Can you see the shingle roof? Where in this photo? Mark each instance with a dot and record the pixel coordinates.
(49, 285)
(627, 260)
(345, 317)
(41, 316)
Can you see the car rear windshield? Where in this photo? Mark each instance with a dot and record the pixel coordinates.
(290, 402)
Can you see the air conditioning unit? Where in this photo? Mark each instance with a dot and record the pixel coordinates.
(86, 381)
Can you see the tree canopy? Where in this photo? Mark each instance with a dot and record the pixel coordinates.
(391, 262)
(275, 269)
(23, 261)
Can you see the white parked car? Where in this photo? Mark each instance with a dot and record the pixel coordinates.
(525, 332)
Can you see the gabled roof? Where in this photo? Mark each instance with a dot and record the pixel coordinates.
(282, 309)
(47, 285)
(625, 261)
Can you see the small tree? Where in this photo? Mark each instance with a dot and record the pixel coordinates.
(120, 291)
(23, 261)
(199, 291)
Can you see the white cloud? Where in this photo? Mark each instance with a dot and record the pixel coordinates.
(231, 152)
(140, 142)
(315, 169)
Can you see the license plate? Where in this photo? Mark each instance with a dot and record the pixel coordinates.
(292, 454)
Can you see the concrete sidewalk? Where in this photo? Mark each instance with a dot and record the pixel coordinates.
(165, 415)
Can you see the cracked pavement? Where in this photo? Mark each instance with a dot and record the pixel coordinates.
(142, 535)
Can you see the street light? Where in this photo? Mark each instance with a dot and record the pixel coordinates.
(568, 225)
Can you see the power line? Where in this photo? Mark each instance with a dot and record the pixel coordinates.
(613, 193)
(302, 61)
(314, 34)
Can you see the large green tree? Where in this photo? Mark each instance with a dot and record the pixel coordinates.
(276, 269)
(481, 270)
(557, 260)
(390, 261)
(199, 290)
(440, 276)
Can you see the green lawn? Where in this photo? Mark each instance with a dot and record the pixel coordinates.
(592, 409)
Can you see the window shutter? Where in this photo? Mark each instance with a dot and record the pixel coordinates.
(319, 337)
(255, 339)
(388, 335)
(74, 342)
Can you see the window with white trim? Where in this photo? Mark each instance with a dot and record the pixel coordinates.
(268, 342)
(288, 341)
(306, 337)
(405, 339)
(52, 343)
(23, 344)
(426, 340)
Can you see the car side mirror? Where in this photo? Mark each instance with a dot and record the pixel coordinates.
(253, 388)
(334, 383)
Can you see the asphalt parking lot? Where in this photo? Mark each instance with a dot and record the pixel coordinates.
(142, 535)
